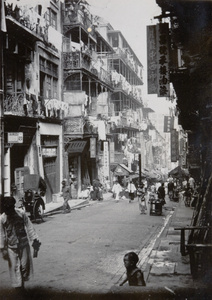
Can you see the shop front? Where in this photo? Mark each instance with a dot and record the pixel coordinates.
(122, 174)
(18, 149)
(78, 166)
(49, 143)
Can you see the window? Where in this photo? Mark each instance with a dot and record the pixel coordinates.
(48, 78)
(66, 44)
(73, 83)
(48, 87)
(115, 40)
(14, 77)
(51, 18)
(54, 88)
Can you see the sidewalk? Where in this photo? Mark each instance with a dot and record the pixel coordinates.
(166, 271)
(56, 207)
(165, 260)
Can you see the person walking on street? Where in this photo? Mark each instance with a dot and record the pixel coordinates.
(191, 182)
(116, 190)
(161, 193)
(97, 190)
(16, 230)
(184, 184)
(66, 194)
(141, 198)
(171, 189)
(131, 189)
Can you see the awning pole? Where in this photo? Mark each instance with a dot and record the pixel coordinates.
(139, 158)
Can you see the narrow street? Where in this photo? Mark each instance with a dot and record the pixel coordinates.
(83, 251)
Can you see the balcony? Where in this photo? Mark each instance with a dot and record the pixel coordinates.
(73, 16)
(28, 19)
(17, 104)
(104, 76)
(123, 54)
(123, 121)
(78, 60)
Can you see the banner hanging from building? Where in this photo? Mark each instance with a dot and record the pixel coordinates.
(106, 159)
(158, 59)
(112, 152)
(151, 60)
(162, 34)
(168, 123)
(92, 147)
(174, 145)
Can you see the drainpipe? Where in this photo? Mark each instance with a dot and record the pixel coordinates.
(79, 183)
(1, 115)
(139, 158)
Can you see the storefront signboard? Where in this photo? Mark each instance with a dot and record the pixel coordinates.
(15, 137)
(92, 147)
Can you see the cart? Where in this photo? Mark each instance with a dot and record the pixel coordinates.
(34, 190)
(155, 206)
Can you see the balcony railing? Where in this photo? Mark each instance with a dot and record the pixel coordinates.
(75, 60)
(122, 53)
(76, 16)
(29, 18)
(123, 121)
(104, 76)
(17, 104)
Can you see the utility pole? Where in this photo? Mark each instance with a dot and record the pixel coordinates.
(139, 161)
(3, 29)
(1, 117)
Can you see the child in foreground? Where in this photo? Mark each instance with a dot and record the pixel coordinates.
(134, 275)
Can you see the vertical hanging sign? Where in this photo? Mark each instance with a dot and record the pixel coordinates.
(92, 147)
(112, 152)
(162, 34)
(151, 60)
(174, 145)
(168, 123)
(106, 158)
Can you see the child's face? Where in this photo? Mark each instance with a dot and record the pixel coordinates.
(127, 262)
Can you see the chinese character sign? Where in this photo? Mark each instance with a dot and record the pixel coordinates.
(168, 123)
(174, 145)
(162, 33)
(106, 158)
(151, 60)
(158, 59)
(92, 147)
(112, 152)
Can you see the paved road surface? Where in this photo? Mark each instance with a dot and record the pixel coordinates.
(83, 251)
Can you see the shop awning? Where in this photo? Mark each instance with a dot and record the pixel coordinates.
(76, 146)
(122, 170)
(178, 172)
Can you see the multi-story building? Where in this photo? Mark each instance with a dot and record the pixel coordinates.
(72, 96)
(102, 85)
(87, 88)
(126, 101)
(33, 110)
(190, 73)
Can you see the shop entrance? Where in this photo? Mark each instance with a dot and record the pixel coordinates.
(49, 164)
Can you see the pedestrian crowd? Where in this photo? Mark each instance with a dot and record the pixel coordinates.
(17, 231)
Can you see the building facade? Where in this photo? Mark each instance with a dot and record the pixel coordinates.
(72, 98)
(32, 109)
(190, 73)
